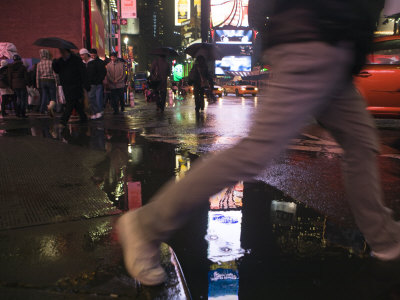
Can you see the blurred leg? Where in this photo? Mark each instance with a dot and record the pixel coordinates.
(352, 126)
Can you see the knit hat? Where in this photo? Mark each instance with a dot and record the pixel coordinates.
(84, 51)
(93, 51)
(114, 54)
(16, 57)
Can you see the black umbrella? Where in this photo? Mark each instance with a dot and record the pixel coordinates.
(209, 51)
(53, 42)
(164, 51)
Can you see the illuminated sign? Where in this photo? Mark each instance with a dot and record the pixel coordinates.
(229, 13)
(128, 9)
(182, 12)
(177, 72)
(241, 37)
(233, 64)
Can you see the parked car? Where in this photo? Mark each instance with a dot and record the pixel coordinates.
(240, 88)
(379, 81)
(218, 91)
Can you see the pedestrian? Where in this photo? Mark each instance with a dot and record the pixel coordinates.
(200, 80)
(85, 56)
(46, 81)
(116, 80)
(96, 72)
(6, 93)
(72, 73)
(18, 80)
(314, 48)
(160, 70)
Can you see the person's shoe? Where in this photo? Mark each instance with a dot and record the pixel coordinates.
(93, 117)
(141, 256)
(99, 115)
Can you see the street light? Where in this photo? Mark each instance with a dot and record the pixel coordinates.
(126, 40)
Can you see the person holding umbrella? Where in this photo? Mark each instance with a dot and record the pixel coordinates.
(72, 73)
(200, 79)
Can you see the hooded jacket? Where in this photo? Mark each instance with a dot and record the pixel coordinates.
(17, 75)
(331, 21)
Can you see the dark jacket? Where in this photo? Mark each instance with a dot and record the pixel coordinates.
(96, 71)
(160, 69)
(72, 73)
(331, 21)
(4, 78)
(17, 75)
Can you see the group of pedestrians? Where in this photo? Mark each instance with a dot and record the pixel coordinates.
(81, 77)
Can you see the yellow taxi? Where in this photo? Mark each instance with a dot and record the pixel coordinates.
(218, 90)
(240, 88)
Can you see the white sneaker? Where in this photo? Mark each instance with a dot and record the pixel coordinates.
(99, 115)
(93, 117)
(390, 254)
(141, 256)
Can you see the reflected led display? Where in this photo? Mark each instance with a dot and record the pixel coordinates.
(233, 64)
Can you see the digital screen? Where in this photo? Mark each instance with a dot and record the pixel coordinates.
(234, 37)
(233, 64)
(182, 12)
(229, 13)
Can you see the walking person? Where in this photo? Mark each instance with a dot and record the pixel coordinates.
(46, 81)
(96, 72)
(6, 93)
(116, 80)
(200, 80)
(72, 73)
(18, 80)
(160, 70)
(314, 48)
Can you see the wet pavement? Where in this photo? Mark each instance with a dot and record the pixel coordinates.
(287, 235)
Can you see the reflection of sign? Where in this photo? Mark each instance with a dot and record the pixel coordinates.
(229, 198)
(223, 235)
(131, 27)
(182, 12)
(128, 9)
(229, 13)
(98, 33)
(223, 284)
(234, 37)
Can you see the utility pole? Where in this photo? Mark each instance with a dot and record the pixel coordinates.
(119, 27)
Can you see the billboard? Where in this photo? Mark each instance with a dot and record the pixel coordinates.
(182, 12)
(233, 64)
(240, 37)
(229, 13)
(128, 9)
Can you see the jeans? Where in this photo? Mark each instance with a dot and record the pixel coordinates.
(96, 98)
(308, 79)
(22, 101)
(48, 93)
(117, 97)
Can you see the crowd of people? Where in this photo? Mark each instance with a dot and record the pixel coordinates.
(69, 77)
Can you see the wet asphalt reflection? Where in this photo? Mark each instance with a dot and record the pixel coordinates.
(251, 241)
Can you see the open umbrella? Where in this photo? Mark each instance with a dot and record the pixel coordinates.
(165, 51)
(209, 51)
(54, 42)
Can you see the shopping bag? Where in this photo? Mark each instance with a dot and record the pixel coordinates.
(33, 96)
(60, 95)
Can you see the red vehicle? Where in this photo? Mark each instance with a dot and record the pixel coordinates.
(379, 81)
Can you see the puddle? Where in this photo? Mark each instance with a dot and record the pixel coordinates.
(249, 242)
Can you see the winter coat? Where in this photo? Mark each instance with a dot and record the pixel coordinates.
(116, 75)
(4, 78)
(331, 21)
(96, 71)
(17, 75)
(72, 74)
